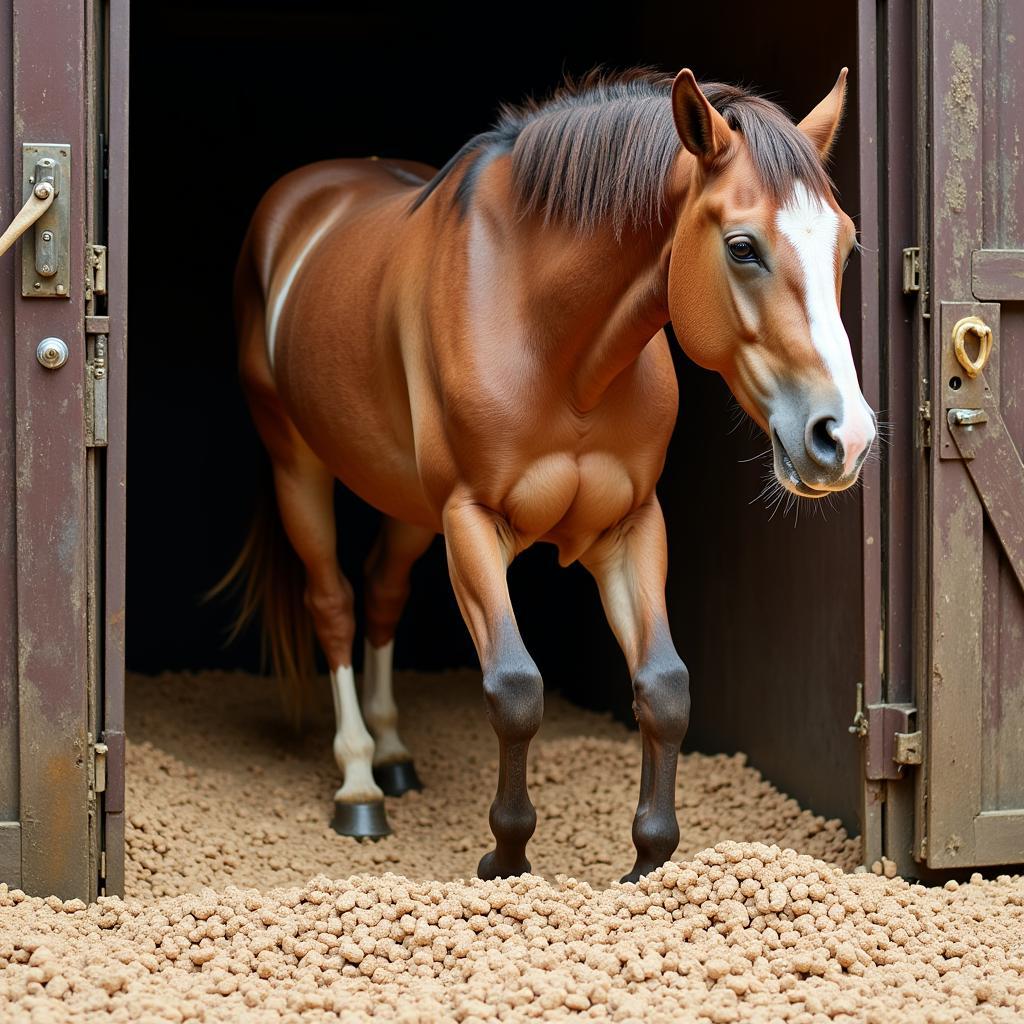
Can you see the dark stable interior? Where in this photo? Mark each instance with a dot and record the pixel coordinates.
(227, 97)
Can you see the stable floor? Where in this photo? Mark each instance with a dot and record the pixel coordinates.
(242, 906)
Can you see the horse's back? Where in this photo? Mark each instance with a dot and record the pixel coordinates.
(298, 204)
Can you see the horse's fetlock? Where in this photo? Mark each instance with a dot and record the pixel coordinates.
(656, 836)
(358, 747)
(513, 823)
(380, 715)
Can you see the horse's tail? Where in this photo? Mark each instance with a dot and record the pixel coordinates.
(270, 580)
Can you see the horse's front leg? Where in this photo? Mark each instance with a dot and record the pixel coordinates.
(630, 565)
(480, 548)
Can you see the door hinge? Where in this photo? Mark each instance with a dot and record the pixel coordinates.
(924, 414)
(97, 331)
(95, 270)
(911, 269)
(99, 754)
(893, 741)
(908, 747)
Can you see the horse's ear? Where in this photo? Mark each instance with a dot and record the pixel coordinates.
(822, 123)
(702, 128)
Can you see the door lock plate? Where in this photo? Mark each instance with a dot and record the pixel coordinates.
(45, 248)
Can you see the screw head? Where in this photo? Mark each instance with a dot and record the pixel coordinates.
(52, 353)
(47, 236)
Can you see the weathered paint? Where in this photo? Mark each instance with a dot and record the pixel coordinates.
(971, 800)
(116, 455)
(45, 48)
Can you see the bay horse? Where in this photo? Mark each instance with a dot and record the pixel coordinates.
(480, 352)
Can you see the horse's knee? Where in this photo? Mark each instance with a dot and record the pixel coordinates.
(515, 700)
(661, 698)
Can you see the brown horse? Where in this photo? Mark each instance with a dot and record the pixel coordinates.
(480, 352)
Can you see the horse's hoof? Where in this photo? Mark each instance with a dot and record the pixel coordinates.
(490, 867)
(641, 869)
(396, 778)
(362, 821)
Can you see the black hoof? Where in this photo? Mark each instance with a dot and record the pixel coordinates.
(490, 867)
(641, 869)
(396, 778)
(363, 821)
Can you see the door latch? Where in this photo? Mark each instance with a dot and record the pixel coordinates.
(46, 253)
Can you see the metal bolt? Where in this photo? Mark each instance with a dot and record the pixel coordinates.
(47, 236)
(45, 268)
(38, 285)
(52, 353)
(60, 289)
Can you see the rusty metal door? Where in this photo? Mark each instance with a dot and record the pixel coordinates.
(971, 791)
(61, 88)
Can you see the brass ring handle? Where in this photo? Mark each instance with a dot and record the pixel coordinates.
(976, 326)
(35, 206)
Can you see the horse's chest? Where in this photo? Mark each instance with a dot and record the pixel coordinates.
(570, 498)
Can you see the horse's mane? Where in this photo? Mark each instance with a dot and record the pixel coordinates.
(601, 148)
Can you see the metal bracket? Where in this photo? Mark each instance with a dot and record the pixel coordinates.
(891, 742)
(95, 270)
(97, 330)
(924, 415)
(100, 751)
(45, 250)
(911, 269)
(113, 794)
(909, 748)
(955, 388)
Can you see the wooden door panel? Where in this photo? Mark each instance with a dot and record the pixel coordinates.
(52, 540)
(971, 800)
(56, 854)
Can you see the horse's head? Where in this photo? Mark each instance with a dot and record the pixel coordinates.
(755, 276)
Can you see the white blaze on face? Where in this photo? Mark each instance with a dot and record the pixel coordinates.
(811, 226)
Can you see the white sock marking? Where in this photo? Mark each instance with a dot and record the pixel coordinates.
(353, 744)
(379, 704)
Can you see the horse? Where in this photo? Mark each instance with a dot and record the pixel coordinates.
(481, 352)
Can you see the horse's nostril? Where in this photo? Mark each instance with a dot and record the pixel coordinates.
(823, 445)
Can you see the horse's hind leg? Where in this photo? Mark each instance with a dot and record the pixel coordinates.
(387, 589)
(305, 499)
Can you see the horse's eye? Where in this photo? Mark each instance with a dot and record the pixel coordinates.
(742, 250)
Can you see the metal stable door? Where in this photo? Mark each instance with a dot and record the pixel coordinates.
(971, 792)
(55, 333)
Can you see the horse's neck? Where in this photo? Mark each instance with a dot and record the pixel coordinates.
(591, 302)
(597, 301)
(585, 303)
